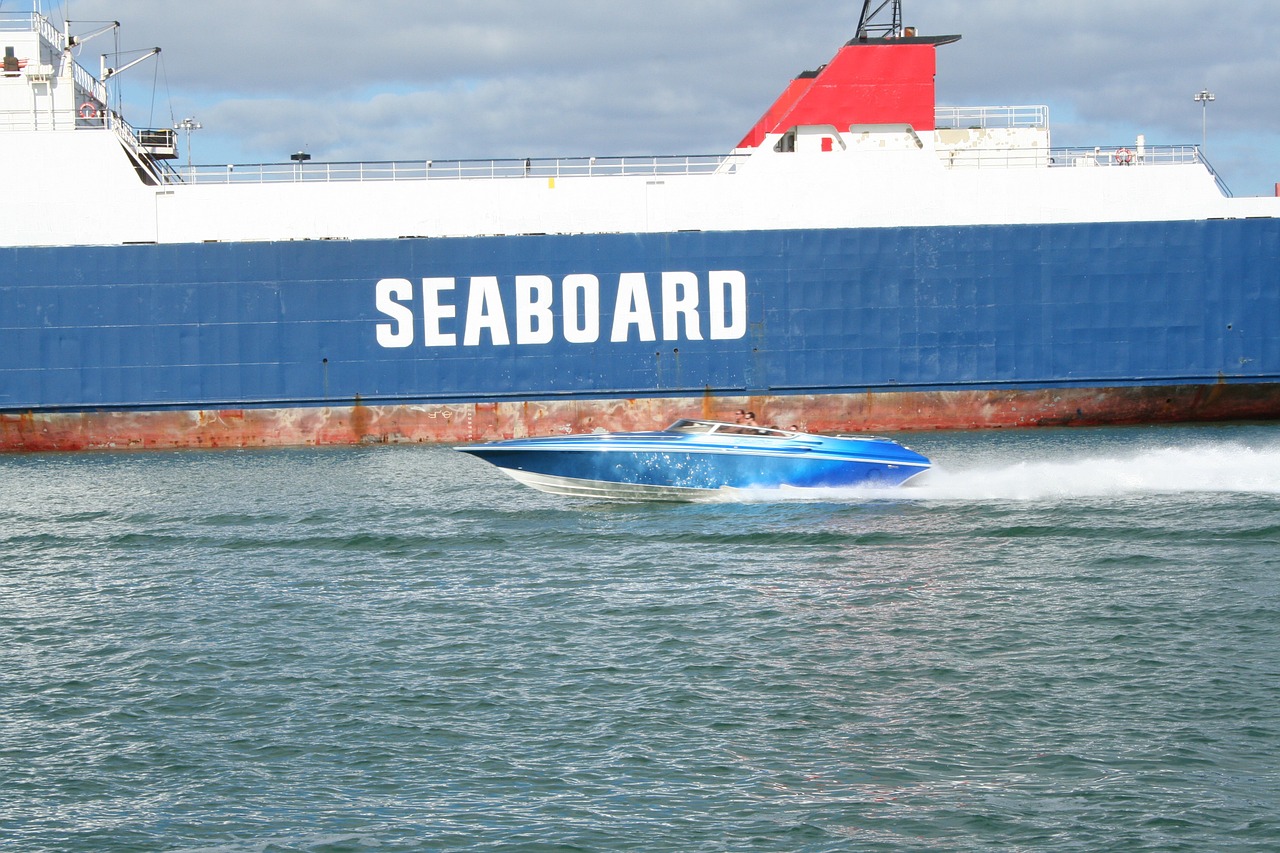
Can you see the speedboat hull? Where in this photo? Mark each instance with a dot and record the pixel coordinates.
(697, 460)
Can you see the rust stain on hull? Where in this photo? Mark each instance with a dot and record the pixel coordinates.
(468, 422)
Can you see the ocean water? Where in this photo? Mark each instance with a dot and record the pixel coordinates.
(1060, 640)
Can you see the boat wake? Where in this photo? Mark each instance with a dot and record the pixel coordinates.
(1226, 469)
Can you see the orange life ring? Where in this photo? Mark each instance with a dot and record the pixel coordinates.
(1124, 156)
(88, 110)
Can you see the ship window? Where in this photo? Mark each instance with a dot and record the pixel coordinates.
(787, 144)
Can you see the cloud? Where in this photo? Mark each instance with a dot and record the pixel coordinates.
(404, 79)
(1110, 71)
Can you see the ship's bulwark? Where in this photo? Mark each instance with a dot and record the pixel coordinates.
(314, 342)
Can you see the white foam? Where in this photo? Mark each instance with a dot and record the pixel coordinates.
(1209, 468)
(1226, 468)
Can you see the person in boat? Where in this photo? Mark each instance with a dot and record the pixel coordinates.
(739, 416)
(750, 419)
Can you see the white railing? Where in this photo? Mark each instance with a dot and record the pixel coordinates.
(982, 118)
(419, 170)
(1121, 156)
(1127, 155)
(27, 22)
(1118, 156)
(49, 32)
(88, 83)
(28, 119)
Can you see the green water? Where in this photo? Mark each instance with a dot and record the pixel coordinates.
(1059, 640)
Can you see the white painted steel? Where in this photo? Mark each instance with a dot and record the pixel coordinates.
(73, 181)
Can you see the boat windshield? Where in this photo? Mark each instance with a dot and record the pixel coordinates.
(695, 427)
(689, 426)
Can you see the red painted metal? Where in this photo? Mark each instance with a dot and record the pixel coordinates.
(466, 422)
(863, 84)
(773, 116)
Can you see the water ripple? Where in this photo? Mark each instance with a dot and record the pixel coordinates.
(381, 649)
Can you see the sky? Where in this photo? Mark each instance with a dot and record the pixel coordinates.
(426, 79)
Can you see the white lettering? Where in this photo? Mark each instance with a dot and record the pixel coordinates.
(399, 333)
(433, 312)
(684, 304)
(632, 309)
(734, 283)
(533, 313)
(581, 318)
(484, 311)
(680, 298)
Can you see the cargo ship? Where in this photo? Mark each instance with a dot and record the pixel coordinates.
(864, 259)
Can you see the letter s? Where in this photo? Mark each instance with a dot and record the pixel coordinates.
(399, 333)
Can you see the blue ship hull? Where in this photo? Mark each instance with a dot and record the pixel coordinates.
(145, 305)
(289, 325)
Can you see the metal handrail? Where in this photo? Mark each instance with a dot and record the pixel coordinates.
(12, 22)
(87, 82)
(982, 118)
(1222, 185)
(418, 170)
(1117, 156)
(1126, 155)
(657, 166)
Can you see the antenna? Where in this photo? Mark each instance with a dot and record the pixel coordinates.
(870, 22)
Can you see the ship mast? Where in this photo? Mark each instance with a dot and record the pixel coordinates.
(871, 23)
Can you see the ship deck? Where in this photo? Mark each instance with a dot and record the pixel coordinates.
(656, 166)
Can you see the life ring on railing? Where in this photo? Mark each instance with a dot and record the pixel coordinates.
(1124, 156)
(88, 110)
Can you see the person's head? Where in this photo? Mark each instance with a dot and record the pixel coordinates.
(751, 416)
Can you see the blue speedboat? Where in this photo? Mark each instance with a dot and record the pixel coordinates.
(697, 460)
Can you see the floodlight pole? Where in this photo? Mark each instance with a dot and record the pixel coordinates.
(1203, 97)
(188, 124)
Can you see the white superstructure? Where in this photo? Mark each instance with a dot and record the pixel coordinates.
(79, 174)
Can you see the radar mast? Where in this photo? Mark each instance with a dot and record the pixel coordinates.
(872, 24)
